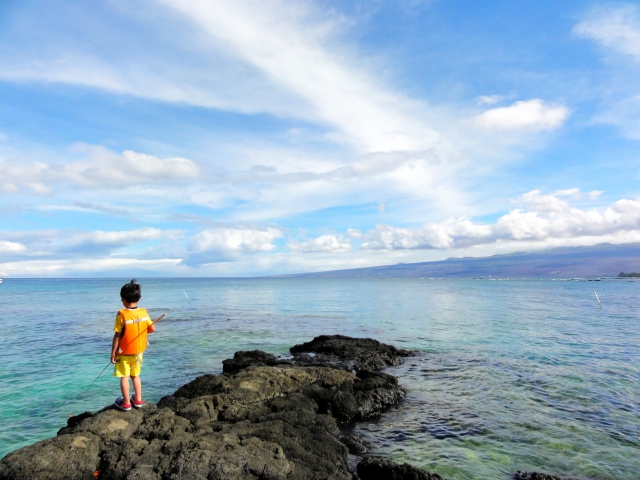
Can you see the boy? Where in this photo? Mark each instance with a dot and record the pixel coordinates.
(129, 341)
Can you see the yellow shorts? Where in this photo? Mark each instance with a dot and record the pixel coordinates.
(128, 365)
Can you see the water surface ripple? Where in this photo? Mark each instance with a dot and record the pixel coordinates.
(524, 374)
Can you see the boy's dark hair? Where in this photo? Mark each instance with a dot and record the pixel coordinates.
(131, 292)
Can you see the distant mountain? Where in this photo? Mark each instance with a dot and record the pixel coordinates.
(600, 260)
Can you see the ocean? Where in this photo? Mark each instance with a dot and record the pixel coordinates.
(512, 374)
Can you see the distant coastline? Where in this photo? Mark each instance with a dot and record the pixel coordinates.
(604, 260)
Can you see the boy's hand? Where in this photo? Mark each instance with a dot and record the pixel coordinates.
(113, 359)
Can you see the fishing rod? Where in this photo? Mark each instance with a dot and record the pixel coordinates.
(103, 370)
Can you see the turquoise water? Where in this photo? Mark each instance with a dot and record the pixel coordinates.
(513, 374)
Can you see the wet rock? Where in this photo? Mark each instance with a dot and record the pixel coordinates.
(375, 392)
(72, 457)
(354, 443)
(523, 475)
(349, 353)
(381, 469)
(251, 358)
(76, 419)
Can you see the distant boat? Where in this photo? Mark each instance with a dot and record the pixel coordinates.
(0, 280)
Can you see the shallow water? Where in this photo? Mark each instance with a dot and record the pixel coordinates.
(513, 374)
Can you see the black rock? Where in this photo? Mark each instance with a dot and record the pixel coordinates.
(354, 443)
(271, 422)
(369, 394)
(523, 475)
(261, 419)
(381, 469)
(351, 353)
(75, 420)
(251, 358)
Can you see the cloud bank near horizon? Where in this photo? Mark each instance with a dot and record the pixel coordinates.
(540, 221)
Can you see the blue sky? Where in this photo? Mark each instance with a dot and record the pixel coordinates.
(256, 137)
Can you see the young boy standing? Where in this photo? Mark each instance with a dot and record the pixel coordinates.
(129, 341)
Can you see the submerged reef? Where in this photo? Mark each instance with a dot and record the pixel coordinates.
(263, 418)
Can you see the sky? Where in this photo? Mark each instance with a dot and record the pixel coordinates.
(262, 137)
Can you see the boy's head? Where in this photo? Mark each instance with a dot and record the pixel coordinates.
(130, 292)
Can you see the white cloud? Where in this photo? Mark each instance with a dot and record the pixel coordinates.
(227, 243)
(355, 233)
(615, 28)
(324, 243)
(490, 99)
(7, 187)
(76, 243)
(11, 247)
(99, 168)
(443, 235)
(545, 219)
(538, 202)
(102, 167)
(524, 115)
(122, 238)
(93, 266)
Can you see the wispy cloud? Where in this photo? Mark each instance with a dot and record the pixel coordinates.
(280, 51)
(624, 114)
(74, 242)
(99, 168)
(615, 28)
(286, 42)
(524, 115)
(490, 99)
(102, 209)
(82, 267)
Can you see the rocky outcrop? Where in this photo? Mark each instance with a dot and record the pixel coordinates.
(266, 420)
(263, 418)
(354, 354)
(253, 358)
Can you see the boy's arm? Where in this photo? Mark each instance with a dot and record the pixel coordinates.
(151, 327)
(114, 346)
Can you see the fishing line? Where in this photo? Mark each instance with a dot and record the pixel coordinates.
(594, 291)
(103, 370)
